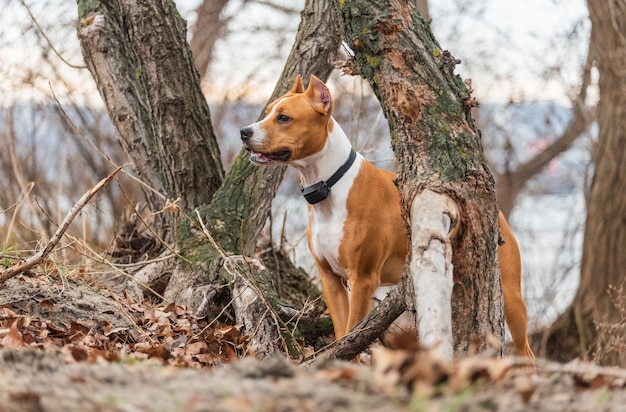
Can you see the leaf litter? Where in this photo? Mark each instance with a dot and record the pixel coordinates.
(57, 318)
(164, 333)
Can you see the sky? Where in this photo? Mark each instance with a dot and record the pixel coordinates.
(505, 45)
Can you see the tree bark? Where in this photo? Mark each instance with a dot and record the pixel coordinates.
(437, 144)
(594, 325)
(138, 55)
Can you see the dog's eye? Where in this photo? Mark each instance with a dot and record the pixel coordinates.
(282, 119)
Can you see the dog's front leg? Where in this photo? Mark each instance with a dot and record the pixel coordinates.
(361, 293)
(336, 297)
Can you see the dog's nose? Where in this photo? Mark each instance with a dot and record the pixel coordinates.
(246, 133)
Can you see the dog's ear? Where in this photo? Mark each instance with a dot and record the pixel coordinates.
(319, 95)
(297, 87)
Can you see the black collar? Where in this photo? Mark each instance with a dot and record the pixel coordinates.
(320, 190)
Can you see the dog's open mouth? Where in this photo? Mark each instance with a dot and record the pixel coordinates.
(279, 156)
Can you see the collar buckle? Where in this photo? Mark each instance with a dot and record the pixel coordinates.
(315, 193)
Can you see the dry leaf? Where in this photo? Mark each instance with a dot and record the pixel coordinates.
(13, 339)
(196, 348)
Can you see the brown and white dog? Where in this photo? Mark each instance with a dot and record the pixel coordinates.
(356, 232)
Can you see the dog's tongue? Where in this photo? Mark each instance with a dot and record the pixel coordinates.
(257, 157)
(275, 157)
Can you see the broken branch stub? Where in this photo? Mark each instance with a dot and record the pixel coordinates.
(434, 219)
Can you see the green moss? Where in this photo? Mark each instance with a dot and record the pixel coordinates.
(450, 156)
(200, 252)
(85, 7)
(446, 105)
(372, 61)
(449, 149)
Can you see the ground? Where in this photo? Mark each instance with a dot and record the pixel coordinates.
(68, 346)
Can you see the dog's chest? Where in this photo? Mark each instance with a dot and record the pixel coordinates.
(327, 234)
(328, 219)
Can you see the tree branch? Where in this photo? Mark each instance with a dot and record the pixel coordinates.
(368, 330)
(511, 183)
(58, 234)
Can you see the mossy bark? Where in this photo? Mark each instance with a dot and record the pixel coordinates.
(436, 143)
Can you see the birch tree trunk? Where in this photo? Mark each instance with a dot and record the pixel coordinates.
(437, 145)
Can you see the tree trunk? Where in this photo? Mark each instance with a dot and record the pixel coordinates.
(229, 220)
(437, 144)
(138, 55)
(595, 323)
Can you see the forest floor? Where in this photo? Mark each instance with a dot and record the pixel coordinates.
(68, 346)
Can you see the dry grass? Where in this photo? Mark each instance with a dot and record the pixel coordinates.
(611, 337)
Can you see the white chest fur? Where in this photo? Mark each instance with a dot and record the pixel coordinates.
(328, 218)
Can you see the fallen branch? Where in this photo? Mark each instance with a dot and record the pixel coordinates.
(58, 234)
(368, 330)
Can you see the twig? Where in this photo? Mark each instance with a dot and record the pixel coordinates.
(250, 281)
(45, 36)
(58, 234)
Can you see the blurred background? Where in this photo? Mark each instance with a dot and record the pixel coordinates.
(528, 62)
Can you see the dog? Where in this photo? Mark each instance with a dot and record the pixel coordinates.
(356, 233)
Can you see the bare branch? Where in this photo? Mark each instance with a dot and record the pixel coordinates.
(509, 184)
(368, 330)
(45, 36)
(208, 29)
(58, 234)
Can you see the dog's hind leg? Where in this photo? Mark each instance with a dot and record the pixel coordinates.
(514, 307)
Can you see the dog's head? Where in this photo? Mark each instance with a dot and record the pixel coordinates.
(296, 125)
